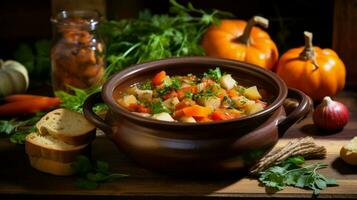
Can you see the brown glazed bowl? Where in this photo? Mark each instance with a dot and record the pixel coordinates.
(197, 148)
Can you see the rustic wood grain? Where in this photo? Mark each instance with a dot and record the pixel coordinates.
(345, 37)
(19, 180)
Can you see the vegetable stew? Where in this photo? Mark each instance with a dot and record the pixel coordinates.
(211, 97)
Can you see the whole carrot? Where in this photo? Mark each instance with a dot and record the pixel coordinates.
(28, 106)
(22, 97)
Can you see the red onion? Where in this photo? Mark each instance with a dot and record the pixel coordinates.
(330, 115)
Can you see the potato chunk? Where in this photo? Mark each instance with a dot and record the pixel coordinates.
(187, 119)
(252, 93)
(142, 114)
(240, 101)
(171, 103)
(211, 102)
(127, 100)
(144, 95)
(163, 117)
(253, 107)
(227, 82)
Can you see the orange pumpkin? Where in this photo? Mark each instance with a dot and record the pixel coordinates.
(317, 72)
(239, 40)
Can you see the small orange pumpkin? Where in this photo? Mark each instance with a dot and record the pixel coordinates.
(317, 72)
(239, 40)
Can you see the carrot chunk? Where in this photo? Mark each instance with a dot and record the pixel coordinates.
(159, 78)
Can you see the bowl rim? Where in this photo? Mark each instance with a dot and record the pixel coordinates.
(111, 84)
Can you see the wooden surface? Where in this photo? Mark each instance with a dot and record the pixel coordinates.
(19, 180)
(345, 37)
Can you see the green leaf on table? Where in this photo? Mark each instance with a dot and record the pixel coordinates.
(18, 128)
(82, 165)
(90, 174)
(6, 126)
(291, 172)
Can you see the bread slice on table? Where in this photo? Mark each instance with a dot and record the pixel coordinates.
(69, 126)
(51, 166)
(49, 147)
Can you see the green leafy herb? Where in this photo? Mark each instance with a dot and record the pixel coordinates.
(19, 137)
(241, 90)
(163, 91)
(292, 173)
(151, 37)
(91, 175)
(214, 74)
(189, 95)
(146, 85)
(176, 83)
(205, 94)
(158, 107)
(18, 128)
(75, 101)
(167, 81)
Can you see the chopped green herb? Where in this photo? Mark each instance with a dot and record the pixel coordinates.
(93, 174)
(241, 90)
(292, 173)
(189, 95)
(163, 91)
(176, 83)
(167, 81)
(214, 74)
(243, 100)
(146, 85)
(205, 94)
(158, 107)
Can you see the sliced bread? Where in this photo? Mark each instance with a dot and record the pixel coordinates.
(49, 147)
(66, 125)
(51, 166)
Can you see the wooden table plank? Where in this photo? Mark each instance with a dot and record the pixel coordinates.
(18, 178)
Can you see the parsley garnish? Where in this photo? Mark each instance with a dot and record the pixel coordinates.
(18, 128)
(189, 95)
(146, 85)
(176, 83)
(91, 175)
(205, 94)
(76, 100)
(152, 37)
(158, 107)
(292, 173)
(241, 89)
(214, 74)
(163, 91)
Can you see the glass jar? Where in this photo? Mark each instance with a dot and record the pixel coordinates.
(77, 53)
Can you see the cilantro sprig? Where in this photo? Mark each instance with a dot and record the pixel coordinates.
(159, 107)
(292, 173)
(214, 74)
(91, 175)
(18, 128)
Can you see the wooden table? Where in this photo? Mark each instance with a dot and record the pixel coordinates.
(19, 180)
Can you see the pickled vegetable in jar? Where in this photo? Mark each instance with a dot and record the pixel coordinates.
(77, 53)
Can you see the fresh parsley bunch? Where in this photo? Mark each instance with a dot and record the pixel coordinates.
(91, 175)
(152, 37)
(292, 173)
(149, 37)
(18, 128)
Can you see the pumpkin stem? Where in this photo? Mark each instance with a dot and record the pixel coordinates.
(308, 53)
(244, 38)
